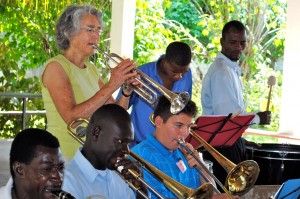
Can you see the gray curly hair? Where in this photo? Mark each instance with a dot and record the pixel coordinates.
(69, 23)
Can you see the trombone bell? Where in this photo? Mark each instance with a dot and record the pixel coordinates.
(241, 178)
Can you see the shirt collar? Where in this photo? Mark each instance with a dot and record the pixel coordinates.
(233, 65)
(92, 173)
(156, 71)
(160, 147)
(8, 188)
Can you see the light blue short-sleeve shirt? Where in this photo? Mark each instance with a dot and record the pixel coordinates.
(81, 179)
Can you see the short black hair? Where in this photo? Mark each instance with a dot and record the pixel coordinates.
(163, 105)
(179, 52)
(107, 113)
(23, 147)
(232, 24)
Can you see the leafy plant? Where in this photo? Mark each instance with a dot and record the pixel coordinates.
(265, 23)
(27, 41)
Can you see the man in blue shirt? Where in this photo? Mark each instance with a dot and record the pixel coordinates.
(172, 71)
(93, 169)
(222, 91)
(163, 151)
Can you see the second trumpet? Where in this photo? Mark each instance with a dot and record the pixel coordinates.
(178, 101)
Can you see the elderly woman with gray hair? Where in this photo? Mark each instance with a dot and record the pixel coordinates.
(71, 85)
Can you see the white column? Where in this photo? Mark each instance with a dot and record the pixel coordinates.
(290, 107)
(122, 27)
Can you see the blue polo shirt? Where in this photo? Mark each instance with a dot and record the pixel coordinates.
(160, 157)
(141, 110)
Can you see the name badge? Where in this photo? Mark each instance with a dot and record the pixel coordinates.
(181, 165)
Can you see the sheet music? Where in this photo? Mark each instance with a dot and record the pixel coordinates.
(221, 130)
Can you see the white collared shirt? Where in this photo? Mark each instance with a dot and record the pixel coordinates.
(222, 89)
(5, 191)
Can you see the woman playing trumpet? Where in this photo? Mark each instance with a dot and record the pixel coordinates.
(71, 86)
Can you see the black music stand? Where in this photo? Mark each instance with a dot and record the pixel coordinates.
(220, 130)
(289, 190)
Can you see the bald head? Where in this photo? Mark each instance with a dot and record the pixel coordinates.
(109, 114)
(108, 134)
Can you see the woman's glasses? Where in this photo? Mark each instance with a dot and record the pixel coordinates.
(92, 29)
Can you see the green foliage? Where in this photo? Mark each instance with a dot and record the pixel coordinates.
(265, 23)
(151, 36)
(27, 41)
(261, 139)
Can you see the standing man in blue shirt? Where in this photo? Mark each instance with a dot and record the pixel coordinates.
(222, 90)
(172, 71)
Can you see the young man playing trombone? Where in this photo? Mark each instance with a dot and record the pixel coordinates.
(163, 151)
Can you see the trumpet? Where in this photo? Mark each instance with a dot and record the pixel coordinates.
(178, 101)
(204, 191)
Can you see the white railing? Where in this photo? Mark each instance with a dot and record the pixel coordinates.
(24, 111)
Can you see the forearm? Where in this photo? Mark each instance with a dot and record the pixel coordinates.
(123, 101)
(71, 111)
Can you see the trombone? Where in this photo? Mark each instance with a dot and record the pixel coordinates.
(178, 101)
(240, 179)
(63, 195)
(204, 191)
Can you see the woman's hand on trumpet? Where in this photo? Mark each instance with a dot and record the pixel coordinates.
(128, 86)
(124, 71)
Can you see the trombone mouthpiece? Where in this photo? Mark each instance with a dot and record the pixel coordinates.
(63, 195)
(180, 141)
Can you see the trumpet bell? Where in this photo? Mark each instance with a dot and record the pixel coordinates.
(179, 102)
(242, 177)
